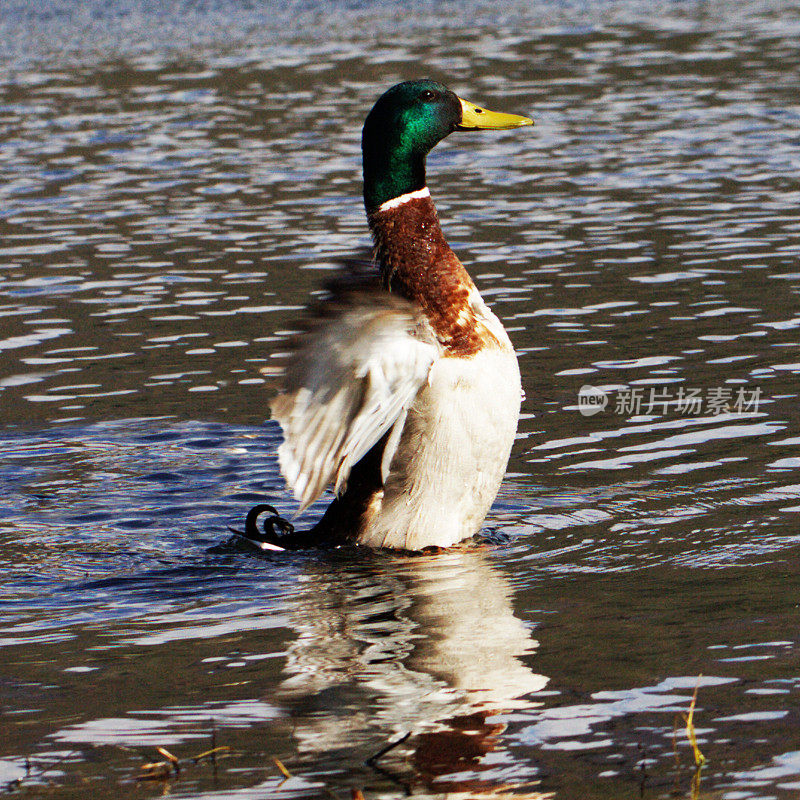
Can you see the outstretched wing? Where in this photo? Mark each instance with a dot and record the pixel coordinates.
(349, 379)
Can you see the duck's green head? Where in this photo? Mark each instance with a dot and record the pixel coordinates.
(405, 124)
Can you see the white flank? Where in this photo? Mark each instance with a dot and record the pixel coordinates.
(452, 453)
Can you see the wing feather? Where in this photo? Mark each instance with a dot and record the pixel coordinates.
(348, 379)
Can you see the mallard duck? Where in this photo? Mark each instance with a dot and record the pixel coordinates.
(404, 391)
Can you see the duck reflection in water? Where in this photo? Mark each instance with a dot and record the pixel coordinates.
(423, 651)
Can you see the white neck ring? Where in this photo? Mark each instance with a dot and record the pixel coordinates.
(404, 198)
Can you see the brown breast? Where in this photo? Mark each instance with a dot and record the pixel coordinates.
(417, 263)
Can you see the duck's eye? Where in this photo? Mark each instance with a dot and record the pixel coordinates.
(428, 95)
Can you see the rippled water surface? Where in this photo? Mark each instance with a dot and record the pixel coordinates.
(176, 179)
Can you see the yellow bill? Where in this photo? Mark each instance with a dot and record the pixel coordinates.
(475, 118)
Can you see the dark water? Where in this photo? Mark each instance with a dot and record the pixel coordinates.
(175, 180)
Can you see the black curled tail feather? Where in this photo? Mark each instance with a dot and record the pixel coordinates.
(277, 533)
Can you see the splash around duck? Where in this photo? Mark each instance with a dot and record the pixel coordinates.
(403, 392)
